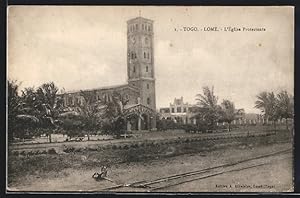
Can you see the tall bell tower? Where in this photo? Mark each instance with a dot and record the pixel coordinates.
(140, 59)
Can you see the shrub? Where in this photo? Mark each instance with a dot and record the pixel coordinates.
(92, 149)
(69, 149)
(52, 151)
(77, 150)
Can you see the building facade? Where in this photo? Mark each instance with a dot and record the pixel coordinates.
(185, 113)
(140, 111)
(179, 112)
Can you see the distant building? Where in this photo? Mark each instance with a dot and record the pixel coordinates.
(179, 112)
(185, 113)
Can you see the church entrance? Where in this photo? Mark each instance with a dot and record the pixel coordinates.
(140, 117)
(145, 122)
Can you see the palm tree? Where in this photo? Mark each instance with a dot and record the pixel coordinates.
(48, 105)
(267, 103)
(13, 107)
(228, 112)
(113, 114)
(208, 103)
(90, 110)
(20, 115)
(285, 105)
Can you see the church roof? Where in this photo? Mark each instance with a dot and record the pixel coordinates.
(106, 88)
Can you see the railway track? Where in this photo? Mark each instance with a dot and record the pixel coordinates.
(182, 178)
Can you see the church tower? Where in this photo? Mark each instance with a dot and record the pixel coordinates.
(140, 59)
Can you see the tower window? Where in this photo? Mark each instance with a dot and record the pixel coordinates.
(144, 54)
(133, 69)
(146, 68)
(147, 86)
(148, 101)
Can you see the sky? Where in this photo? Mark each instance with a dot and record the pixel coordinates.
(84, 47)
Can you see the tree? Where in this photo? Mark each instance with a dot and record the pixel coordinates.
(14, 104)
(19, 121)
(48, 106)
(285, 105)
(113, 114)
(228, 112)
(90, 110)
(267, 103)
(210, 110)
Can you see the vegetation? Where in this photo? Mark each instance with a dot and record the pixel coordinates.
(274, 107)
(229, 113)
(41, 111)
(209, 109)
(113, 115)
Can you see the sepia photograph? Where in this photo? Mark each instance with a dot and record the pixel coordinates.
(150, 99)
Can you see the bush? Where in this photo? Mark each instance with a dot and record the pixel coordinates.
(77, 150)
(69, 149)
(52, 151)
(92, 149)
(44, 152)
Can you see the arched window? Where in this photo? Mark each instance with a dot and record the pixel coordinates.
(144, 54)
(147, 86)
(133, 69)
(146, 40)
(147, 70)
(148, 101)
(134, 55)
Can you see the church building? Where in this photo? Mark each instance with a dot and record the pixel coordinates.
(140, 111)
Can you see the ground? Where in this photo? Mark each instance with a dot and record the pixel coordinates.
(277, 174)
